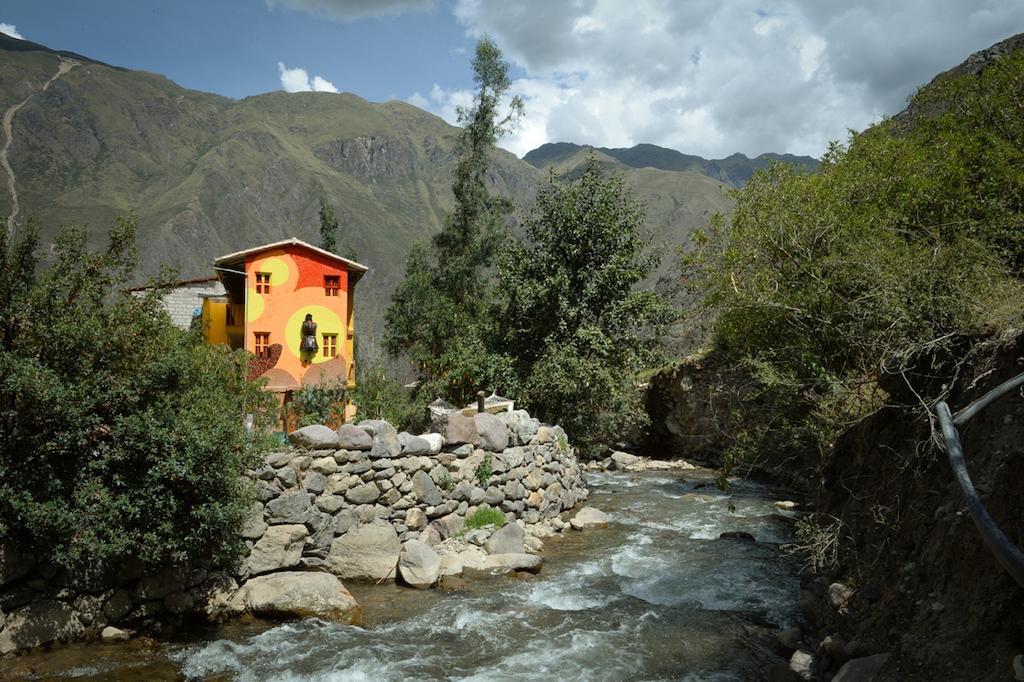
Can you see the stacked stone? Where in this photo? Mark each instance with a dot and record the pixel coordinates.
(344, 501)
(361, 503)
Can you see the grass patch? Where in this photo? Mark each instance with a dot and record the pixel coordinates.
(485, 516)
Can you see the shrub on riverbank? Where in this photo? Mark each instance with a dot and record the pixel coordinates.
(906, 242)
(120, 435)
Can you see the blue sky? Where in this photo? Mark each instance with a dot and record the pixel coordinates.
(232, 47)
(708, 77)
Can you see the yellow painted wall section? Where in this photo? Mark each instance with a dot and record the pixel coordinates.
(296, 288)
(215, 316)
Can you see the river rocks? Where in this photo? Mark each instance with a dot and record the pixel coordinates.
(297, 594)
(425, 489)
(802, 663)
(314, 437)
(588, 517)
(117, 606)
(366, 552)
(623, 460)
(838, 595)
(1018, 668)
(500, 564)
(864, 669)
(280, 547)
(737, 535)
(112, 634)
(457, 429)
(39, 623)
(506, 540)
(418, 564)
(493, 434)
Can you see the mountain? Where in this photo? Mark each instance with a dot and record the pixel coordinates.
(733, 170)
(208, 175)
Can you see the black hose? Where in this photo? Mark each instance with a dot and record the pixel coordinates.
(981, 403)
(1009, 555)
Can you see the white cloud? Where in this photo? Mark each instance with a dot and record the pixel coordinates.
(11, 30)
(350, 10)
(418, 100)
(321, 84)
(298, 80)
(714, 78)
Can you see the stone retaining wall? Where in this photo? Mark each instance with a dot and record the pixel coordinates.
(361, 503)
(320, 501)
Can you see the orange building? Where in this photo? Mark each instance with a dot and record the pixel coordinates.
(269, 291)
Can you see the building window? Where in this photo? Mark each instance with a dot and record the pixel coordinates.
(332, 284)
(262, 345)
(330, 345)
(262, 282)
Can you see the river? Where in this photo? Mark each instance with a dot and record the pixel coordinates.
(656, 596)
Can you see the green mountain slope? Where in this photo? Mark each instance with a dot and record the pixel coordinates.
(208, 175)
(733, 170)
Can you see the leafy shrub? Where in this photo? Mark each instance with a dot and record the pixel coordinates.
(484, 470)
(907, 241)
(120, 435)
(485, 516)
(320, 403)
(379, 395)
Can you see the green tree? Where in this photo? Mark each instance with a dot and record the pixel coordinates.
(575, 328)
(120, 435)
(328, 225)
(436, 316)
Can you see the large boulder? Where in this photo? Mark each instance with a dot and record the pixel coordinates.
(864, 669)
(435, 440)
(351, 437)
(297, 594)
(280, 547)
(623, 460)
(457, 429)
(314, 437)
(506, 540)
(366, 552)
(588, 517)
(493, 434)
(426, 490)
(39, 623)
(500, 564)
(414, 445)
(521, 425)
(385, 438)
(418, 564)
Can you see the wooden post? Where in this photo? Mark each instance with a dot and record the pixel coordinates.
(480, 396)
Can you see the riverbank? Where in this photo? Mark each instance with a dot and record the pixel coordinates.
(658, 583)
